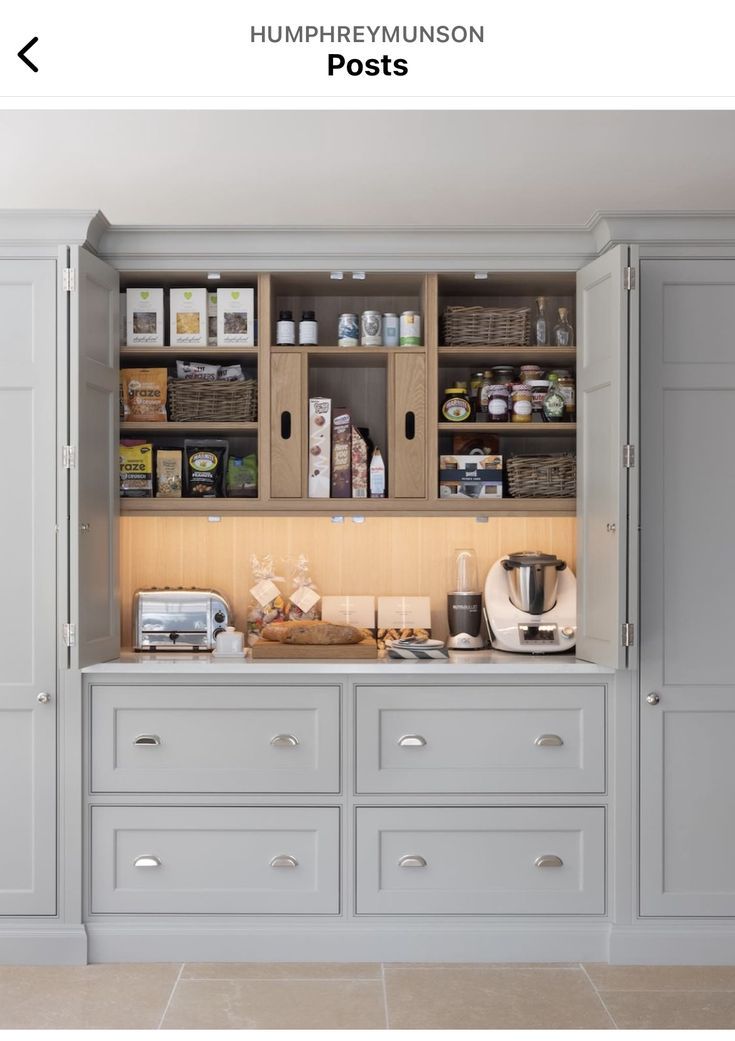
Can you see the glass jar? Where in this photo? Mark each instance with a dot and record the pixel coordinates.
(568, 388)
(538, 390)
(498, 404)
(542, 326)
(456, 407)
(563, 332)
(554, 404)
(504, 374)
(531, 372)
(475, 386)
(521, 398)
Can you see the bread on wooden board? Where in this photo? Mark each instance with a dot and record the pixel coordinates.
(322, 634)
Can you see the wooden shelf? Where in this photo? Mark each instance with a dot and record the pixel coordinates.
(350, 507)
(535, 429)
(198, 353)
(188, 428)
(511, 354)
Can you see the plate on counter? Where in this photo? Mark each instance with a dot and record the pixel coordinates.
(415, 645)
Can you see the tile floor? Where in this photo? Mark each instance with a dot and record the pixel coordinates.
(367, 996)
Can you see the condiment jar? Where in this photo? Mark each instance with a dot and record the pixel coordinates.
(568, 388)
(285, 329)
(497, 403)
(308, 329)
(229, 643)
(554, 404)
(531, 372)
(521, 398)
(476, 380)
(504, 374)
(538, 390)
(456, 407)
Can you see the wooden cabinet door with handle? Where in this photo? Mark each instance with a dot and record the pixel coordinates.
(287, 426)
(407, 478)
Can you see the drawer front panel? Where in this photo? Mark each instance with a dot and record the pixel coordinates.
(215, 739)
(480, 739)
(215, 860)
(479, 860)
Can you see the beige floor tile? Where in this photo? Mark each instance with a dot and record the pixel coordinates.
(669, 1010)
(85, 996)
(282, 971)
(277, 1004)
(662, 977)
(492, 998)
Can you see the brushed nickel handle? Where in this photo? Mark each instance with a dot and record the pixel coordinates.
(412, 741)
(548, 860)
(548, 741)
(653, 699)
(412, 860)
(612, 528)
(146, 860)
(284, 741)
(43, 697)
(284, 860)
(147, 740)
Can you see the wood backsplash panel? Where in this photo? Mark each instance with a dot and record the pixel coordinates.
(383, 556)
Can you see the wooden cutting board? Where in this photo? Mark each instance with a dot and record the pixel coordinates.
(271, 649)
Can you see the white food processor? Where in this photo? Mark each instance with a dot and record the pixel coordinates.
(531, 604)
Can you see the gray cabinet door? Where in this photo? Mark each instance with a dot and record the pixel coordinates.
(687, 581)
(605, 317)
(28, 587)
(94, 411)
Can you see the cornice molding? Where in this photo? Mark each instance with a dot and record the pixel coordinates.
(52, 228)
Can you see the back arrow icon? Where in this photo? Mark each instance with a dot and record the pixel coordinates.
(22, 54)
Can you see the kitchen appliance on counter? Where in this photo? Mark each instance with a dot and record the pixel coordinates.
(178, 619)
(464, 605)
(531, 604)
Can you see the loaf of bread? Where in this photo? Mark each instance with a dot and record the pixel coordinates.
(322, 634)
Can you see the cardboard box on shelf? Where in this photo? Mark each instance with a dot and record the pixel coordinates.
(320, 439)
(188, 317)
(471, 476)
(359, 465)
(349, 610)
(212, 319)
(236, 317)
(144, 313)
(341, 453)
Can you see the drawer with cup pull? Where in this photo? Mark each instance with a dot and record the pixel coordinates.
(483, 739)
(215, 860)
(455, 860)
(200, 739)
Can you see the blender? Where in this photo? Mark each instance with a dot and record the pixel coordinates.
(464, 604)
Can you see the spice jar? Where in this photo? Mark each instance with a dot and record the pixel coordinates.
(538, 390)
(456, 407)
(521, 398)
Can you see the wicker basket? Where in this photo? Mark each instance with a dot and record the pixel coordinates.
(218, 401)
(487, 326)
(542, 476)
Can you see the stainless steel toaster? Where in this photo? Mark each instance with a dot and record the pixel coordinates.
(178, 619)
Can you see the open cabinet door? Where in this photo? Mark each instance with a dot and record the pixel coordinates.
(94, 410)
(606, 314)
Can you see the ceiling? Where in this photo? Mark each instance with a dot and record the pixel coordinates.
(516, 168)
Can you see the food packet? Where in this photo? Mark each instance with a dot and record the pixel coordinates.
(231, 373)
(242, 476)
(205, 461)
(268, 604)
(168, 473)
(303, 599)
(196, 370)
(136, 469)
(144, 394)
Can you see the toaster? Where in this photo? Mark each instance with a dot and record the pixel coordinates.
(178, 619)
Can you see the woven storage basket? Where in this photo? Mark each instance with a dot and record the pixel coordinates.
(542, 476)
(218, 401)
(485, 326)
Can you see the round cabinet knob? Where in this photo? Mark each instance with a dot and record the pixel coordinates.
(653, 699)
(43, 698)
(567, 632)
(219, 616)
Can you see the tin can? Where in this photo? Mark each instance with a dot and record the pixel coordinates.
(390, 330)
(348, 331)
(371, 329)
(410, 330)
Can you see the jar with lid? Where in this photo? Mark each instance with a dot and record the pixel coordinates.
(456, 407)
(554, 404)
(371, 329)
(475, 387)
(498, 404)
(568, 388)
(538, 390)
(348, 330)
(390, 330)
(308, 329)
(482, 394)
(521, 398)
(504, 374)
(285, 329)
(531, 372)
(563, 332)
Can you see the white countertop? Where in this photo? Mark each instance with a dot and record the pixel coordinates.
(475, 663)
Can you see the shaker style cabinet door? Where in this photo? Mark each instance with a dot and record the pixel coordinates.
(606, 326)
(687, 690)
(94, 412)
(288, 480)
(28, 600)
(408, 454)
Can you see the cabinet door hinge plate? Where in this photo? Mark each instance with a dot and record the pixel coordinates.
(629, 456)
(70, 279)
(69, 456)
(629, 278)
(628, 634)
(70, 634)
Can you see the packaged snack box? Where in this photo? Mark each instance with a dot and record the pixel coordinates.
(188, 317)
(320, 431)
(236, 317)
(144, 313)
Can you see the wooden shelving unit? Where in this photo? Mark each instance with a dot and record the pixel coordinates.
(523, 429)
(168, 355)
(188, 428)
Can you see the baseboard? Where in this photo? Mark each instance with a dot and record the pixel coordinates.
(696, 943)
(43, 945)
(184, 942)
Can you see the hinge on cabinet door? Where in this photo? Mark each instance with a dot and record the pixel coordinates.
(70, 279)
(628, 278)
(628, 635)
(70, 634)
(628, 456)
(68, 456)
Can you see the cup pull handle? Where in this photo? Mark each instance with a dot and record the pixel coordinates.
(412, 860)
(548, 741)
(410, 426)
(285, 861)
(548, 860)
(146, 860)
(284, 741)
(412, 741)
(286, 425)
(147, 740)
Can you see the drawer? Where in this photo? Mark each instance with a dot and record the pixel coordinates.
(215, 860)
(162, 738)
(480, 739)
(481, 861)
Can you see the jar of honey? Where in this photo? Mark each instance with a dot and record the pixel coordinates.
(521, 399)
